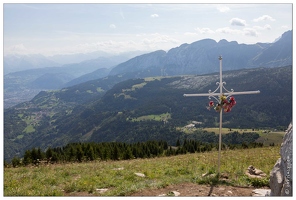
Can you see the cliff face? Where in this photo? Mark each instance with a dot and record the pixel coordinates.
(282, 172)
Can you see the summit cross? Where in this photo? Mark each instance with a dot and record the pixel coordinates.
(217, 97)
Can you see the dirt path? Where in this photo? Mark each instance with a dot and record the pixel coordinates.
(190, 189)
(187, 190)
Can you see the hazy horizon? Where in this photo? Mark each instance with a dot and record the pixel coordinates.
(53, 29)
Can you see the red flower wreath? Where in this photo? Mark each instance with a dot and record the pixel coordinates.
(224, 103)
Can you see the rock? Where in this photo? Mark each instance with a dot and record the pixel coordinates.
(140, 174)
(176, 193)
(205, 174)
(119, 168)
(261, 192)
(102, 190)
(282, 172)
(252, 172)
(224, 176)
(276, 179)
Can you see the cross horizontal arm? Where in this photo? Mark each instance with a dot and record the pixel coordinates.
(218, 94)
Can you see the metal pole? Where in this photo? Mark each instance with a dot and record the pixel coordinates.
(218, 94)
(220, 139)
(220, 127)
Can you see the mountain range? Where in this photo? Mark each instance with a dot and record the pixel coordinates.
(142, 98)
(23, 85)
(196, 58)
(200, 57)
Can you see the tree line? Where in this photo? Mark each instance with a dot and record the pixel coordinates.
(104, 151)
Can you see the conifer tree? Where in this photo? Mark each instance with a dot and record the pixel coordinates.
(128, 154)
(48, 153)
(79, 153)
(40, 154)
(178, 143)
(16, 162)
(72, 153)
(34, 155)
(27, 158)
(90, 154)
(105, 154)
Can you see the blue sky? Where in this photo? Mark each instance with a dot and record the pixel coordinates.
(51, 29)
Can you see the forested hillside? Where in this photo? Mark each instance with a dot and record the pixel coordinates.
(138, 110)
(89, 151)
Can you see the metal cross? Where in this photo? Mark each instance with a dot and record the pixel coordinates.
(219, 95)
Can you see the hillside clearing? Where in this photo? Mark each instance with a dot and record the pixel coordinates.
(161, 117)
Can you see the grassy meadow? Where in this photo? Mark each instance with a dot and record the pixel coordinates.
(118, 177)
(161, 117)
(266, 137)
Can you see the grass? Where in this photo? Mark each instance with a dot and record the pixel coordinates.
(153, 78)
(20, 136)
(99, 89)
(227, 130)
(266, 137)
(271, 137)
(87, 178)
(136, 86)
(161, 117)
(29, 129)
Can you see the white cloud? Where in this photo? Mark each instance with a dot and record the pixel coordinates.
(154, 15)
(158, 38)
(285, 27)
(223, 8)
(237, 22)
(112, 26)
(264, 18)
(265, 27)
(144, 42)
(228, 30)
(16, 49)
(190, 33)
(250, 32)
(204, 30)
(245, 31)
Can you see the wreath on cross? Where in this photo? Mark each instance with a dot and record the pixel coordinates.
(224, 104)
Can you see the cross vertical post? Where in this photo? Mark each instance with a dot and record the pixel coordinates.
(218, 98)
(220, 125)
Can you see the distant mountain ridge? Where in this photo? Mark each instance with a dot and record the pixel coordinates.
(21, 62)
(23, 85)
(14, 63)
(196, 58)
(199, 57)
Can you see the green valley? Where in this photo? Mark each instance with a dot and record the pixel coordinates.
(138, 110)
